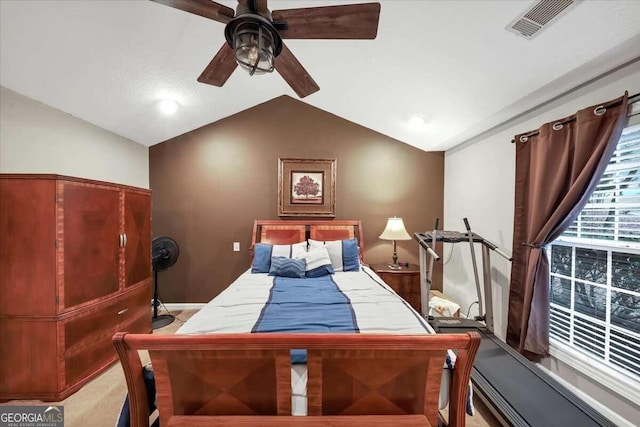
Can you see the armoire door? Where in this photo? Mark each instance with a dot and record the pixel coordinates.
(91, 241)
(27, 247)
(137, 235)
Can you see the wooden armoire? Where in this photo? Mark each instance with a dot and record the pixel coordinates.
(75, 267)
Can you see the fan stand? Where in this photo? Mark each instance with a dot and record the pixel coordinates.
(163, 320)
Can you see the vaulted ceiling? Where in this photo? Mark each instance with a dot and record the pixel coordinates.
(451, 62)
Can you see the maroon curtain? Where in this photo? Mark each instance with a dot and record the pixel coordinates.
(557, 169)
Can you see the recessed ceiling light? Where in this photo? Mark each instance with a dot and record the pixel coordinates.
(168, 106)
(417, 122)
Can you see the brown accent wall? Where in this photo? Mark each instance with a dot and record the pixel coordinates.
(210, 184)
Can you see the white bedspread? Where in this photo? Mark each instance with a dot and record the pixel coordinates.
(377, 307)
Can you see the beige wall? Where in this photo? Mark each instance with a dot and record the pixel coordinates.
(210, 184)
(35, 138)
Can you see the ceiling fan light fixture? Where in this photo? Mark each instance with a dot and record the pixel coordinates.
(417, 122)
(168, 106)
(255, 43)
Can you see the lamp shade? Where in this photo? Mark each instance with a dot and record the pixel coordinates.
(395, 230)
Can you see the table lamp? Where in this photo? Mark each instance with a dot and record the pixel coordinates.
(395, 231)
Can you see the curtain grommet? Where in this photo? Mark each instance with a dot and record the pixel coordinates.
(599, 110)
(524, 138)
(557, 126)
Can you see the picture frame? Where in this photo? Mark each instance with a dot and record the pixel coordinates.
(307, 188)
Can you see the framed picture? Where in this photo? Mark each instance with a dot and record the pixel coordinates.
(307, 187)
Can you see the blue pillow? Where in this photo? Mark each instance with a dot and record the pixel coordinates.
(287, 267)
(261, 258)
(262, 253)
(350, 255)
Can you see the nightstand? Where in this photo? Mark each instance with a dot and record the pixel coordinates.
(405, 281)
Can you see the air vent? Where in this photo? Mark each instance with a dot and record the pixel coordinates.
(539, 16)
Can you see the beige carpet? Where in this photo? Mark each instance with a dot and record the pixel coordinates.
(98, 403)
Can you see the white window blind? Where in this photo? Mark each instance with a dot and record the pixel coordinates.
(595, 268)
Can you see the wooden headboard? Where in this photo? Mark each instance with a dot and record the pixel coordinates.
(281, 232)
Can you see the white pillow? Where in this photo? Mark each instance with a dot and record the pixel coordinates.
(344, 254)
(289, 251)
(262, 253)
(318, 262)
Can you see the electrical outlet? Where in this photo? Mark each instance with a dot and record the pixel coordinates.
(236, 246)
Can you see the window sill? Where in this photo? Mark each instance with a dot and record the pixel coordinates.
(600, 373)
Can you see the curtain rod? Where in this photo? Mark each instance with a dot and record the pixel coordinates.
(573, 118)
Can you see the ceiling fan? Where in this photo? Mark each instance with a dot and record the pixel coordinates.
(254, 36)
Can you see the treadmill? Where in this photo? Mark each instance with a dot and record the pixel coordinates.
(517, 391)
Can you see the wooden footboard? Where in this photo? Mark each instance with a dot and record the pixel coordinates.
(245, 379)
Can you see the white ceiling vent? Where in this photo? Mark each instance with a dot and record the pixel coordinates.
(540, 16)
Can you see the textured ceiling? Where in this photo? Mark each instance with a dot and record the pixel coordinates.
(453, 62)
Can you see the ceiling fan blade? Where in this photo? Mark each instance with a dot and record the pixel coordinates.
(205, 8)
(354, 21)
(220, 67)
(294, 73)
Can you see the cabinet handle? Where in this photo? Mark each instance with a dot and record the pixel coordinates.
(120, 240)
(123, 311)
(124, 239)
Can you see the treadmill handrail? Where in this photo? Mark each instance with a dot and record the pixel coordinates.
(426, 237)
(495, 248)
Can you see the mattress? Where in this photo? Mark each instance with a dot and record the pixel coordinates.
(369, 304)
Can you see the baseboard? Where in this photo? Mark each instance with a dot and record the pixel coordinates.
(184, 306)
(605, 411)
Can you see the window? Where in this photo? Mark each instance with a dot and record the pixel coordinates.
(595, 269)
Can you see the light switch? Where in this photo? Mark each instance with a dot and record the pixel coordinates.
(236, 246)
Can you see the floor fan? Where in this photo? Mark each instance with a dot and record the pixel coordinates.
(164, 253)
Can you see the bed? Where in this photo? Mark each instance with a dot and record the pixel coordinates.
(332, 297)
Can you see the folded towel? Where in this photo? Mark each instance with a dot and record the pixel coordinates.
(442, 308)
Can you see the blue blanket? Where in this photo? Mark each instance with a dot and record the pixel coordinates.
(310, 305)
